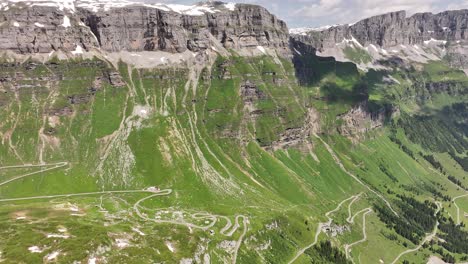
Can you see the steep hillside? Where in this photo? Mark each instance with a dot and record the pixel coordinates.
(136, 133)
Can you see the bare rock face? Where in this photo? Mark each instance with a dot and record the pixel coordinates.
(299, 137)
(42, 29)
(394, 29)
(359, 120)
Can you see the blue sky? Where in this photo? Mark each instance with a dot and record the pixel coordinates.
(299, 13)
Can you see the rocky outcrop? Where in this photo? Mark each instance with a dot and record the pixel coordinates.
(42, 29)
(299, 137)
(359, 120)
(394, 29)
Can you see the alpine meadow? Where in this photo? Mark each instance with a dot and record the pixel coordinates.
(212, 133)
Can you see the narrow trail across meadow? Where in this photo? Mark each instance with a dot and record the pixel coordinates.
(54, 166)
(454, 200)
(320, 227)
(340, 164)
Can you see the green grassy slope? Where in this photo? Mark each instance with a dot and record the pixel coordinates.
(219, 147)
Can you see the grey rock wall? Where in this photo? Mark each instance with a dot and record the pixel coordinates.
(394, 29)
(139, 28)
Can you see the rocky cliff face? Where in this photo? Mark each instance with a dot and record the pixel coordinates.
(359, 120)
(42, 29)
(394, 29)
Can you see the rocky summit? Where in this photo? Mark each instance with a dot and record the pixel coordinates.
(212, 133)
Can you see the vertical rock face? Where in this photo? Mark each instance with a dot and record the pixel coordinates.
(394, 29)
(358, 121)
(42, 29)
(141, 28)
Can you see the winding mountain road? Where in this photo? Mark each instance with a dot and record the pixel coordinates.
(320, 227)
(348, 247)
(340, 164)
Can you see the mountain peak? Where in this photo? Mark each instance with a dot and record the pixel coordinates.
(197, 9)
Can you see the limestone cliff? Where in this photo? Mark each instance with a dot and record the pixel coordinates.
(137, 27)
(394, 29)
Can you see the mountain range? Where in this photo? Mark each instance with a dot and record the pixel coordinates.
(213, 133)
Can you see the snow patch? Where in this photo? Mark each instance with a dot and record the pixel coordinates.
(35, 249)
(435, 41)
(78, 50)
(52, 255)
(298, 52)
(66, 22)
(61, 5)
(373, 47)
(230, 6)
(355, 41)
(304, 30)
(16, 24)
(39, 25)
(262, 49)
(351, 41)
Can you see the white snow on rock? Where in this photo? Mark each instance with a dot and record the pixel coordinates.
(230, 6)
(52, 255)
(373, 47)
(66, 22)
(106, 5)
(78, 50)
(298, 52)
(262, 49)
(304, 30)
(351, 41)
(35, 249)
(39, 25)
(435, 41)
(16, 24)
(62, 5)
